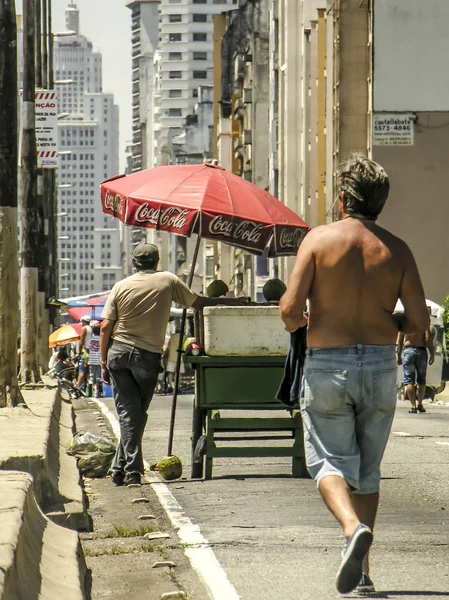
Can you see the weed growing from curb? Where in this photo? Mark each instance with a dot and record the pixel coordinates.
(125, 532)
(116, 550)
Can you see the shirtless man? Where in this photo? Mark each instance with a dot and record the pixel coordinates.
(352, 272)
(412, 353)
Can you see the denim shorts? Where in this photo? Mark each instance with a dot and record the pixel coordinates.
(347, 402)
(414, 364)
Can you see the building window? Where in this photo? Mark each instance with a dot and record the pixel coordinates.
(175, 93)
(219, 1)
(199, 74)
(195, 93)
(175, 37)
(174, 112)
(175, 56)
(199, 1)
(200, 56)
(174, 74)
(174, 18)
(200, 37)
(199, 18)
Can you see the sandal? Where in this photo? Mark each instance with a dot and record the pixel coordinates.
(420, 408)
(413, 411)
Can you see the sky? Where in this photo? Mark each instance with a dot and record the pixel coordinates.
(107, 23)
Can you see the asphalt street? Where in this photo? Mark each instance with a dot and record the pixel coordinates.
(275, 539)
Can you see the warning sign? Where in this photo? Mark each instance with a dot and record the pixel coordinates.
(47, 128)
(46, 124)
(393, 129)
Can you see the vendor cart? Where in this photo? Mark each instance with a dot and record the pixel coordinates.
(235, 402)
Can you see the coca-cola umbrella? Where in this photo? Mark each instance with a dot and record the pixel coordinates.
(207, 200)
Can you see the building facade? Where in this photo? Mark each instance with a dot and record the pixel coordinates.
(183, 63)
(144, 39)
(89, 251)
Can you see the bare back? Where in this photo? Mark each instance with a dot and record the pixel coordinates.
(358, 272)
(353, 272)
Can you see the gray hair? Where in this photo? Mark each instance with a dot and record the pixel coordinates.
(365, 186)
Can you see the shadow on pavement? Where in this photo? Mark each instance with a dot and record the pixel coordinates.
(400, 593)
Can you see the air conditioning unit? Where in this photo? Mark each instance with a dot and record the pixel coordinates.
(238, 142)
(239, 68)
(247, 137)
(247, 95)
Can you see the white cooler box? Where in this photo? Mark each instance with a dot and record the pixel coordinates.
(244, 331)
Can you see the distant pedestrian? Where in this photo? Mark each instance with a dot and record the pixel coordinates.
(412, 354)
(132, 335)
(353, 272)
(83, 351)
(94, 359)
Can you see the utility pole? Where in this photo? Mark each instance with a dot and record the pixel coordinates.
(29, 208)
(9, 295)
(50, 174)
(42, 329)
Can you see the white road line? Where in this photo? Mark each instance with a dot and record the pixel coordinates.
(403, 433)
(197, 548)
(442, 443)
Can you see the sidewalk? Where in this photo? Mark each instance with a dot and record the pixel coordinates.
(123, 563)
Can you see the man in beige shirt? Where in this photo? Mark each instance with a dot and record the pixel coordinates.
(352, 272)
(135, 319)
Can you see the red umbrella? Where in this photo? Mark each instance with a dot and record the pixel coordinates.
(206, 200)
(92, 307)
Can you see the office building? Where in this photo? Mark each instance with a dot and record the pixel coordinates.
(89, 250)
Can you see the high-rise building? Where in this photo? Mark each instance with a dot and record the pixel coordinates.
(184, 62)
(144, 39)
(89, 251)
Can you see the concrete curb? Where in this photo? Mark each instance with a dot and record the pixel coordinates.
(37, 441)
(40, 490)
(38, 559)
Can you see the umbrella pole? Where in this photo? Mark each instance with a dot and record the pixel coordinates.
(180, 352)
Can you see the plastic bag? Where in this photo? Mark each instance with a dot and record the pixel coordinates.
(95, 464)
(85, 442)
(94, 453)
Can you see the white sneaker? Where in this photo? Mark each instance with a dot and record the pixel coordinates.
(366, 586)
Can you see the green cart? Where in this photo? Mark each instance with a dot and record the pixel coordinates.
(247, 384)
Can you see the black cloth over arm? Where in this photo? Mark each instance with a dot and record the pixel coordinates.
(290, 387)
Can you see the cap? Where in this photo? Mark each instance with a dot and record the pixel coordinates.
(86, 318)
(144, 253)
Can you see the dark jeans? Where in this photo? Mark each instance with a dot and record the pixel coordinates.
(133, 374)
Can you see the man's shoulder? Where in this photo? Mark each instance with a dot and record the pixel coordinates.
(336, 229)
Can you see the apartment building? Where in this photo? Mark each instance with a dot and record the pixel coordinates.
(89, 252)
(183, 63)
(144, 39)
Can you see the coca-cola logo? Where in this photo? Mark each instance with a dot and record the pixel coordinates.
(246, 231)
(171, 217)
(114, 202)
(290, 239)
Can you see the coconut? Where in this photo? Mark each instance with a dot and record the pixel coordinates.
(170, 467)
(273, 290)
(217, 288)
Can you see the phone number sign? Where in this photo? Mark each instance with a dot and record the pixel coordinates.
(393, 130)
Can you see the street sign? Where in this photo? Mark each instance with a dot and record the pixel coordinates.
(393, 129)
(47, 128)
(46, 125)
